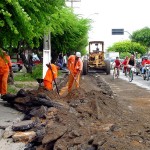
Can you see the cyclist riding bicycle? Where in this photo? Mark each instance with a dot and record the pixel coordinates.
(131, 62)
(117, 64)
(124, 63)
(144, 62)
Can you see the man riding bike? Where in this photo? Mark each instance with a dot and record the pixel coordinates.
(144, 62)
(131, 64)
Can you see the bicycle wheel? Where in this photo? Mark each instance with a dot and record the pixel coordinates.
(125, 72)
(147, 74)
(130, 76)
(114, 74)
(117, 72)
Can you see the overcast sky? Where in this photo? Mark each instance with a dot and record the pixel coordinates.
(130, 15)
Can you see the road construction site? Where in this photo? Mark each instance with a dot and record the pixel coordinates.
(102, 114)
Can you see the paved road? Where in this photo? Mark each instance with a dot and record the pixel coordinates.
(138, 80)
(8, 116)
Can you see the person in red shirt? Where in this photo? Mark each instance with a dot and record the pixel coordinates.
(117, 63)
(124, 63)
(144, 62)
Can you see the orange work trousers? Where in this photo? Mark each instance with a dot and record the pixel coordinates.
(48, 85)
(3, 82)
(71, 81)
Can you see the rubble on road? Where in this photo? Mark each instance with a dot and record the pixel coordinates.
(79, 121)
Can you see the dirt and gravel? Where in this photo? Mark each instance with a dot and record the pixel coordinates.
(103, 114)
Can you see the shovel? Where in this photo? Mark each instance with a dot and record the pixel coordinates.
(74, 78)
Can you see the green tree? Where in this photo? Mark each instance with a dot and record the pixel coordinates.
(71, 32)
(124, 54)
(142, 36)
(127, 47)
(23, 24)
(25, 21)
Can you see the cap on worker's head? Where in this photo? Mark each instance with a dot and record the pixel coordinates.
(78, 54)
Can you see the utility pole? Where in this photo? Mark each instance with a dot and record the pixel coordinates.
(46, 52)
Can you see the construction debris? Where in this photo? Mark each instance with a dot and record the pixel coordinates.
(82, 120)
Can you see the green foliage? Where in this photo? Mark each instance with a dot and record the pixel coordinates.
(23, 23)
(74, 34)
(124, 54)
(127, 46)
(22, 20)
(142, 36)
(37, 71)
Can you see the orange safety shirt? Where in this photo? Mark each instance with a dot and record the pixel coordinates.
(5, 64)
(74, 68)
(49, 75)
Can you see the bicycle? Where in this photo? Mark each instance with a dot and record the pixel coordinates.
(131, 72)
(116, 72)
(147, 72)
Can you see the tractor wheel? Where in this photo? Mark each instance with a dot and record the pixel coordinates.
(85, 67)
(107, 70)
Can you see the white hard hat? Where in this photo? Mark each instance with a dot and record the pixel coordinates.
(78, 54)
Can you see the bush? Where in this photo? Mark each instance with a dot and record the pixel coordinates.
(37, 71)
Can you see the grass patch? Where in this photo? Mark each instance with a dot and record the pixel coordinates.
(12, 89)
(23, 77)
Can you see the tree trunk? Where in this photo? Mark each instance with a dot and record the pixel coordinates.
(27, 63)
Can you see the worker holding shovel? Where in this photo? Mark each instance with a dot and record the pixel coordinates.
(51, 75)
(75, 66)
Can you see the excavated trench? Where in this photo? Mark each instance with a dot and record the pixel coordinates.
(88, 118)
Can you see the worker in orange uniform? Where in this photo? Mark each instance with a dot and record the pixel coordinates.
(5, 69)
(51, 75)
(75, 66)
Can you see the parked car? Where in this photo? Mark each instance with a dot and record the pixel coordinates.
(16, 66)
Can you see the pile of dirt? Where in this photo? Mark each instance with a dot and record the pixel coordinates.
(88, 118)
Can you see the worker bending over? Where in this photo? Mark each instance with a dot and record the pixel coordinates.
(5, 69)
(51, 75)
(75, 66)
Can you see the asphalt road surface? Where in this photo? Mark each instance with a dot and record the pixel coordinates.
(137, 79)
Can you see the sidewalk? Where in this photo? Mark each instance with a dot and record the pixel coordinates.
(8, 115)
